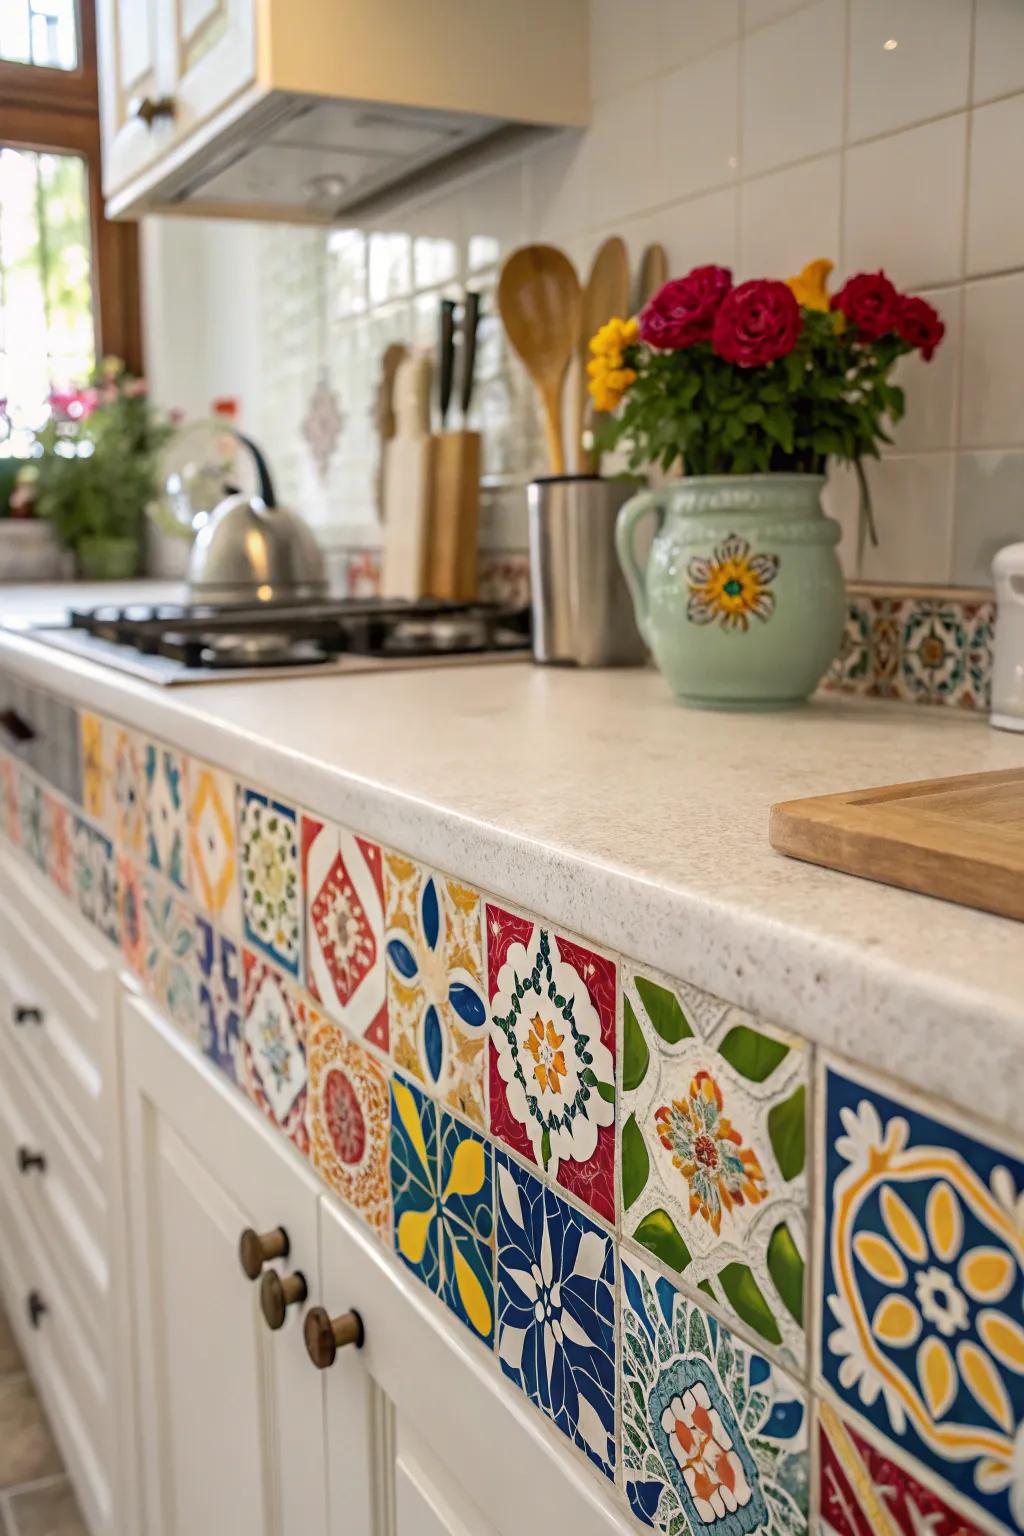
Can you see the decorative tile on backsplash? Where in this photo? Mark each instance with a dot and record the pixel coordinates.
(127, 791)
(166, 833)
(131, 914)
(57, 842)
(713, 1115)
(274, 1049)
(437, 990)
(170, 966)
(268, 854)
(556, 1309)
(347, 1116)
(30, 812)
(552, 1054)
(921, 1318)
(94, 767)
(219, 966)
(923, 647)
(343, 894)
(94, 879)
(213, 845)
(11, 823)
(714, 1437)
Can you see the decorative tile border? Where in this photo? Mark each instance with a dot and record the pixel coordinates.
(917, 645)
(601, 1172)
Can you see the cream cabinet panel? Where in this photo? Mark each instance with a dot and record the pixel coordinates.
(209, 46)
(132, 74)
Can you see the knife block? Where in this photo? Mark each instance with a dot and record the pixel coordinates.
(453, 543)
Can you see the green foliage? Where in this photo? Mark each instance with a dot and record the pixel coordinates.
(659, 1233)
(663, 1010)
(753, 1054)
(829, 398)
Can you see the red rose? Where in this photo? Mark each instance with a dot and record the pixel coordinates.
(683, 311)
(919, 326)
(758, 322)
(870, 303)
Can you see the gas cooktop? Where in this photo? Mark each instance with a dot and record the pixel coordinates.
(192, 643)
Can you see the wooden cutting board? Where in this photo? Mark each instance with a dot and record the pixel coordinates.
(961, 838)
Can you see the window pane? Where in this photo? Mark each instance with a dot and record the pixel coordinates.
(42, 32)
(47, 338)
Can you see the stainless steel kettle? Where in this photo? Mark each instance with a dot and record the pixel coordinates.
(252, 550)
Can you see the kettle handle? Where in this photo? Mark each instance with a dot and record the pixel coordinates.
(266, 485)
(625, 543)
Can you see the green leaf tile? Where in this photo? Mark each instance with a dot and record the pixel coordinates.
(787, 1131)
(786, 1267)
(663, 1010)
(747, 1300)
(636, 1162)
(659, 1233)
(754, 1055)
(635, 1055)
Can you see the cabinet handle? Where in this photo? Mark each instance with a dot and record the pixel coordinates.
(258, 1248)
(17, 727)
(149, 108)
(26, 1013)
(28, 1160)
(278, 1293)
(325, 1335)
(37, 1308)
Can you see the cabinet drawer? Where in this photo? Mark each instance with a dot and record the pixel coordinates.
(42, 730)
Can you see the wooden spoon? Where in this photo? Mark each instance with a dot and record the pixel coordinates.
(539, 300)
(606, 295)
(653, 274)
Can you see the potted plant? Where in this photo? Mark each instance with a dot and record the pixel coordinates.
(749, 391)
(95, 470)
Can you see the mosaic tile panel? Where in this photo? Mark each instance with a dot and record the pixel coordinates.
(556, 1309)
(165, 805)
(219, 1000)
(268, 854)
(442, 1192)
(170, 957)
(437, 1003)
(57, 842)
(213, 845)
(343, 884)
(274, 1049)
(127, 791)
(94, 767)
(862, 1491)
(552, 1055)
(712, 1153)
(30, 815)
(922, 1322)
(920, 648)
(348, 1120)
(131, 914)
(714, 1436)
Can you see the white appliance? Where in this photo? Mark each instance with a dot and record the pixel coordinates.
(1008, 653)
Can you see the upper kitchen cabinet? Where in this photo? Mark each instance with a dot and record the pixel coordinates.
(304, 109)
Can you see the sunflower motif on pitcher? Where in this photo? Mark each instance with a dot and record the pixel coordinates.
(731, 585)
(709, 1153)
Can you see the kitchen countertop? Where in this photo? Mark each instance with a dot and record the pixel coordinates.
(594, 800)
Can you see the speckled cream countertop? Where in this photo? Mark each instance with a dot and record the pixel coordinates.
(590, 798)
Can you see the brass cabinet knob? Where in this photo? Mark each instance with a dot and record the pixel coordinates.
(148, 108)
(26, 1013)
(28, 1160)
(258, 1248)
(325, 1335)
(278, 1293)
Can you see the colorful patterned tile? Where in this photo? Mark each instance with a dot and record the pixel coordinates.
(9, 823)
(57, 841)
(437, 1003)
(213, 845)
(556, 1309)
(864, 1491)
(552, 1055)
(127, 790)
(343, 891)
(219, 968)
(922, 1321)
(165, 804)
(851, 671)
(981, 625)
(84, 869)
(933, 653)
(348, 1118)
(712, 1153)
(94, 767)
(442, 1191)
(268, 853)
(30, 812)
(170, 965)
(714, 1437)
(131, 915)
(274, 1049)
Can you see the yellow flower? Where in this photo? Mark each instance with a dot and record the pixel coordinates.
(808, 288)
(608, 377)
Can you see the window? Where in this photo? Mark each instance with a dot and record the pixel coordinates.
(68, 278)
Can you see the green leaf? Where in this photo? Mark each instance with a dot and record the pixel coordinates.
(786, 1267)
(607, 1092)
(747, 1301)
(636, 1162)
(708, 1289)
(659, 1233)
(663, 1010)
(635, 1055)
(545, 1147)
(754, 1055)
(752, 412)
(787, 1130)
(778, 423)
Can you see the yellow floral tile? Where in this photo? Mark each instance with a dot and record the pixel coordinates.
(213, 845)
(94, 767)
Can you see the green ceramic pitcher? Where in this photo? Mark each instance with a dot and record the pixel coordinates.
(742, 601)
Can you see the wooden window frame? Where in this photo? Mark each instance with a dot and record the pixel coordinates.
(57, 111)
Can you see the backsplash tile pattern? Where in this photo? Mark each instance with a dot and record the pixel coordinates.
(670, 1354)
(918, 647)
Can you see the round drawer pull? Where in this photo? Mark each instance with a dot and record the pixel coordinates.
(26, 1013)
(37, 1308)
(258, 1248)
(325, 1335)
(278, 1293)
(28, 1160)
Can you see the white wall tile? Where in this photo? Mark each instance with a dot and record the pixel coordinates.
(904, 204)
(623, 161)
(699, 125)
(624, 44)
(992, 409)
(790, 217)
(995, 207)
(557, 187)
(998, 48)
(758, 13)
(989, 512)
(912, 499)
(924, 75)
(931, 388)
(698, 232)
(691, 28)
(792, 83)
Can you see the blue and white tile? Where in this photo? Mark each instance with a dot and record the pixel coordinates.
(170, 961)
(268, 853)
(164, 790)
(220, 999)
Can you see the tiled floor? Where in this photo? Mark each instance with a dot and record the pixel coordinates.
(35, 1496)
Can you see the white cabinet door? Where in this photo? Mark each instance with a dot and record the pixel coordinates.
(424, 1437)
(131, 73)
(211, 52)
(231, 1413)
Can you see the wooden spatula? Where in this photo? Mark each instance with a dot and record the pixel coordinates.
(606, 295)
(539, 299)
(653, 274)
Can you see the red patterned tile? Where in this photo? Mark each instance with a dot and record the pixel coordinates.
(343, 886)
(274, 1049)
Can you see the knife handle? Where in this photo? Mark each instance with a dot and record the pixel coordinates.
(470, 321)
(446, 357)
